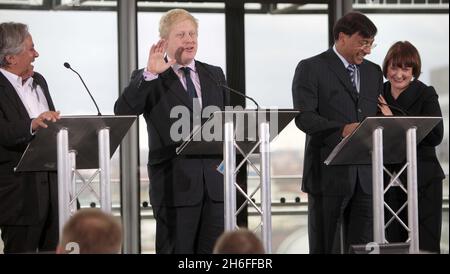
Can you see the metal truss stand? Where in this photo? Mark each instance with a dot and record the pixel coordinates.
(379, 190)
(229, 152)
(67, 175)
(245, 132)
(82, 142)
(365, 146)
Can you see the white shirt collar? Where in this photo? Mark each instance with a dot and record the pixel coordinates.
(177, 66)
(16, 80)
(346, 63)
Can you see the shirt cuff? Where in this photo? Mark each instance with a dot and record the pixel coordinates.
(148, 76)
(31, 129)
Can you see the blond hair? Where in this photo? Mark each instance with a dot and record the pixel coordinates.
(174, 16)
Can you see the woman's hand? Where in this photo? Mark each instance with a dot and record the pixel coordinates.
(382, 105)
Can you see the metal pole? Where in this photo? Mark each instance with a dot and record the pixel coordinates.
(413, 216)
(105, 169)
(266, 200)
(129, 154)
(377, 185)
(62, 141)
(229, 157)
(73, 177)
(336, 9)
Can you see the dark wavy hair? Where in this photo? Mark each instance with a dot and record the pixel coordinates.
(354, 22)
(403, 54)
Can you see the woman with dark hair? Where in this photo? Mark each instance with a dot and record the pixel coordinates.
(402, 68)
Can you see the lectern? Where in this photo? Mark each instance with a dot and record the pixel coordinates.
(248, 132)
(387, 140)
(76, 142)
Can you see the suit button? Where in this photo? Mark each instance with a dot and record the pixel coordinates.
(359, 110)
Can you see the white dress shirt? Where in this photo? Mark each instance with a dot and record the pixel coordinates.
(32, 97)
(346, 64)
(148, 76)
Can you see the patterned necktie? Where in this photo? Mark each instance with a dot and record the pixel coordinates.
(190, 88)
(351, 72)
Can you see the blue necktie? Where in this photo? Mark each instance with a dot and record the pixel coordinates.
(190, 88)
(351, 72)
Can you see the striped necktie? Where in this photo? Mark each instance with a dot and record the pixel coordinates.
(351, 72)
(190, 88)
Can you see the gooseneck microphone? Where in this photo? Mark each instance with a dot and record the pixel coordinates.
(67, 65)
(220, 84)
(403, 112)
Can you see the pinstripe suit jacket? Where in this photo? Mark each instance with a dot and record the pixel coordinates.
(323, 92)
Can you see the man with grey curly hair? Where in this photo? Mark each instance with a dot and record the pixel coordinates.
(28, 200)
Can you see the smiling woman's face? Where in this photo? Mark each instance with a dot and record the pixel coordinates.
(399, 77)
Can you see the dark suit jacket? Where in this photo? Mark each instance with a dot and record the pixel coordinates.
(20, 199)
(421, 100)
(323, 92)
(175, 180)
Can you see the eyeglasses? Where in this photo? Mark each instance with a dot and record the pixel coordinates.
(182, 35)
(367, 45)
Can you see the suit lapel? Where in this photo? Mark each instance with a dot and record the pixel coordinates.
(12, 96)
(172, 82)
(206, 85)
(40, 81)
(364, 80)
(338, 68)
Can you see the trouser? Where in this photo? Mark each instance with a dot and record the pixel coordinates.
(189, 229)
(336, 222)
(39, 237)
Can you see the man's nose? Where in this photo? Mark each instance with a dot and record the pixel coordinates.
(188, 38)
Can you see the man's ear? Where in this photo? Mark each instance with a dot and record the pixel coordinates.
(11, 59)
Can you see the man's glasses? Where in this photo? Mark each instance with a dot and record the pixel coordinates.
(182, 35)
(367, 45)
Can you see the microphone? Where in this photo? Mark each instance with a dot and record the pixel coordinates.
(403, 112)
(67, 65)
(219, 83)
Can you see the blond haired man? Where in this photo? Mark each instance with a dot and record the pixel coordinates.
(186, 192)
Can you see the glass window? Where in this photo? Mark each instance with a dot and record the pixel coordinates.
(274, 44)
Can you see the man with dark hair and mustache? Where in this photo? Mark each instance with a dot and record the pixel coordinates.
(329, 90)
